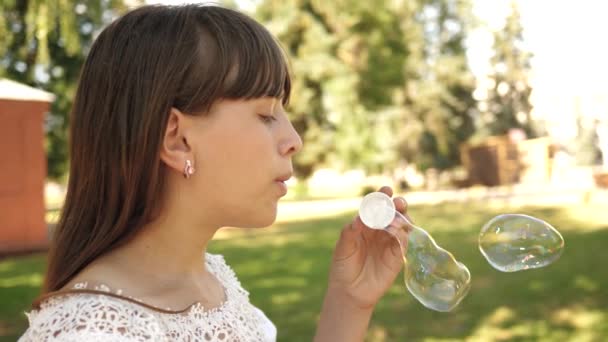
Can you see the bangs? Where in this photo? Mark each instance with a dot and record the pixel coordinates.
(258, 68)
(236, 58)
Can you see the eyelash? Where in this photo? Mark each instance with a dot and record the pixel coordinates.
(267, 119)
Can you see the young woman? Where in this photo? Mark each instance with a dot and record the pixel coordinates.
(178, 129)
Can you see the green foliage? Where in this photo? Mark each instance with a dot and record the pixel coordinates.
(376, 81)
(43, 44)
(586, 143)
(443, 101)
(509, 98)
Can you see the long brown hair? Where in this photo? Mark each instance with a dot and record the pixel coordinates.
(149, 60)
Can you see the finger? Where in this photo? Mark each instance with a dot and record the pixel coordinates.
(347, 244)
(400, 204)
(400, 239)
(387, 190)
(401, 222)
(407, 216)
(358, 225)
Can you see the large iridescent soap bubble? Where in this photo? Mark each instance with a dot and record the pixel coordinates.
(516, 242)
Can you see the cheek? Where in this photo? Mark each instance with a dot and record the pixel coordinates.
(245, 158)
(236, 162)
(237, 172)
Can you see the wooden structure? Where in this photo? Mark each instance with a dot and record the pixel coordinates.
(23, 167)
(601, 179)
(500, 161)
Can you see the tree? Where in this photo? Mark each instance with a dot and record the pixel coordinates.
(509, 98)
(376, 82)
(330, 44)
(43, 44)
(438, 104)
(586, 144)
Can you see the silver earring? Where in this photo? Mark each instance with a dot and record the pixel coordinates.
(188, 169)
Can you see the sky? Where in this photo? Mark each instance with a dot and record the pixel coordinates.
(569, 66)
(564, 35)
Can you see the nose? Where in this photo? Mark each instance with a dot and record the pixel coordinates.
(292, 143)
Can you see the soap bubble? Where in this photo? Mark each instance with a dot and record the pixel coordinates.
(515, 242)
(432, 274)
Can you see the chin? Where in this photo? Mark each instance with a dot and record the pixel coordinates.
(264, 223)
(258, 216)
(257, 222)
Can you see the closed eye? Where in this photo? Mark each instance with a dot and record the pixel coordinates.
(267, 119)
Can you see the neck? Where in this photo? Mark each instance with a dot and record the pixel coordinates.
(171, 247)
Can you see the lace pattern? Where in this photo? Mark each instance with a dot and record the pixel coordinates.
(86, 316)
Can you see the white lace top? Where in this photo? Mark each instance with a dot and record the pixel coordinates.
(111, 317)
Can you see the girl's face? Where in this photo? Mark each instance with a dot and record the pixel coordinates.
(242, 153)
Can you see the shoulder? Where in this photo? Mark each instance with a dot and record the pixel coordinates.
(225, 274)
(217, 265)
(82, 316)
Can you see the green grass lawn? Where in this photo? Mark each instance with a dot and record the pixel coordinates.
(285, 269)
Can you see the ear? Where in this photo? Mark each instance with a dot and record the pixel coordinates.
(175, 148)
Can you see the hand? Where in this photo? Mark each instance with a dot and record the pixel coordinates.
(366, 261)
